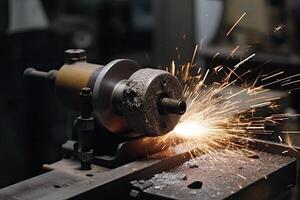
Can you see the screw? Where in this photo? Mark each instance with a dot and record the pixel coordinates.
(75, 55)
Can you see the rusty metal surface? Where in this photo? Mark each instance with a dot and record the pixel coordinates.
(102, 184)
(37, 187)
(222, 175)
(141, 97)
(132, 150)
(72, 167)
(275, 148)
(115, 183)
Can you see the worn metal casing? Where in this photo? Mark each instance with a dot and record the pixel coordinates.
(71, 78)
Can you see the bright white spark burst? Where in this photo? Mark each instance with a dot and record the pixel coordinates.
(216, 116)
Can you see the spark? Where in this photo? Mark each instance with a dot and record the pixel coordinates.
(191, 129)
(216, 55)
(272, 76)
(290, 143)
(279, 28)
(205, 76)
(280, 139)
(234, 50)
(218, 68)
(290, 83)
(280, 80)
(173, 68)
(235, 24)
(260, 105)
(243, 61)
(284, 152)
(291, 132)
(215, 118)
(194, 55)
(255, 99)
(235, 94)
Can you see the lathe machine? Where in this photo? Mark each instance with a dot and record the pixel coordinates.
(113, 151)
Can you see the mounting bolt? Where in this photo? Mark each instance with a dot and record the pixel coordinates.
(86, 159)
(86, 97)
(75, 55)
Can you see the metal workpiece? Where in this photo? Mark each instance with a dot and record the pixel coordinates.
(103, 105)
(124, 93)
(167, 105)
(141, 100)
(118, 104)
(121, 88)
(124, 96)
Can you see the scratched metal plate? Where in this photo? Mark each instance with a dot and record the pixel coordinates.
(222, 175)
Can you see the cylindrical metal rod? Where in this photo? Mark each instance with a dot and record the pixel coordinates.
(86, 104)
(51, 75)
(171, 106)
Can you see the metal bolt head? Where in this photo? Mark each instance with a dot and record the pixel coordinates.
(86, 91)
(75, 55)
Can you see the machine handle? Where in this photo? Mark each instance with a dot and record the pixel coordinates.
(31, 72)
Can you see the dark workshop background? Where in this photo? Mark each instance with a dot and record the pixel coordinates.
(35, 33)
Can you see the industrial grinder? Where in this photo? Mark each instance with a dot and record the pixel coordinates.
(120, 100)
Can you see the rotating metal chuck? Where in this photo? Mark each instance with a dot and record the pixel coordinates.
(125, 97)
(151, 101)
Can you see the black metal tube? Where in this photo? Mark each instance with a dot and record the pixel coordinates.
(31, 72)
(86, 102)
(171, 106)
(86, 127)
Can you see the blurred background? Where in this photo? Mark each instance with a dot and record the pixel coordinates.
(35, 33)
